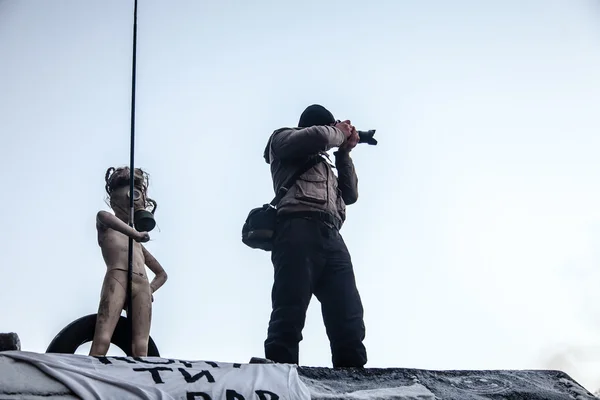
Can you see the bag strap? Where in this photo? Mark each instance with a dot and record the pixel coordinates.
(284, 189)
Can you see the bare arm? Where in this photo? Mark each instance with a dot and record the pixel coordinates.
(160, 276)
(292, 143)
(106, 220)
(347, 178)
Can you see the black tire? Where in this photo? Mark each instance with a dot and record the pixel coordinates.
(81, 331)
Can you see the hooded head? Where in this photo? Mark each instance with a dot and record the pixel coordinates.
(117, 188)
(315, 115)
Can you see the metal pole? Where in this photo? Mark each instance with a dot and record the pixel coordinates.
(131, 181)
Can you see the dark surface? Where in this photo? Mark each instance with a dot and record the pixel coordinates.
(398, 383)
(9, 341)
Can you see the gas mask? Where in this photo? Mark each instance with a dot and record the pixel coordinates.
(118, 187)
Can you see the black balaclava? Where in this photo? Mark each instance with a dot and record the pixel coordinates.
(315, 115)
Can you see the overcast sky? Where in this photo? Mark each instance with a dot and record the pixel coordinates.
(476, 237)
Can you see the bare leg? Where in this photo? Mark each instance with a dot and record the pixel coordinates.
(142, 316)
(112, 300)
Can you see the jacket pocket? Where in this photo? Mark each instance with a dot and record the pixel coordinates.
(312, 188)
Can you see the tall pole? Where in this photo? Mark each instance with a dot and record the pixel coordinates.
(131, 181)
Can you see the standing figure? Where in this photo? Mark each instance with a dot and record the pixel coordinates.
(113, 239)
(309, 255)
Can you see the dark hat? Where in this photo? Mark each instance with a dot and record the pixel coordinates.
(315, 115)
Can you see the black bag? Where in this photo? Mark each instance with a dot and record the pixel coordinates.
(259, 228)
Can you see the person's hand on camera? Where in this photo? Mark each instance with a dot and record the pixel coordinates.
(351, 141)
(345, 127)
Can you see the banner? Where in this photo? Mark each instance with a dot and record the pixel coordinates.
(167, 379)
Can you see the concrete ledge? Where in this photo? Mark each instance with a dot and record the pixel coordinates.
(397, 383)
(22, 380)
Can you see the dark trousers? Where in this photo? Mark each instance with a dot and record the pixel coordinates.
(310, 257)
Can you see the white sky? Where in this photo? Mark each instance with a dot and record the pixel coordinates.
(476, 236)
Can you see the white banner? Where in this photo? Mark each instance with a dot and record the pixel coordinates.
(163, 378)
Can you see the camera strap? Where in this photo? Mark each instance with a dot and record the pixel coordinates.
(312, 161)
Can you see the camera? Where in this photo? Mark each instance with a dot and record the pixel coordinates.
(367, 137)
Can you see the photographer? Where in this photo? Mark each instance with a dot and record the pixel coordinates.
(309, 254)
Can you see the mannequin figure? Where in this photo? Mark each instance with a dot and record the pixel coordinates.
(113, 239)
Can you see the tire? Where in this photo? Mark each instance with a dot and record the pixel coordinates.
(82, 330)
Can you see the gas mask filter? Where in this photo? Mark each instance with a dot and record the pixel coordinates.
(143, 220)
